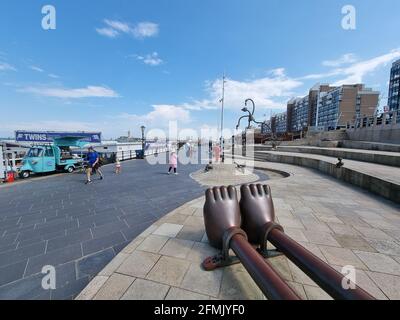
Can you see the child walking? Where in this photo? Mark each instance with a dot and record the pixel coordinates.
(173, 163)
(118, 166)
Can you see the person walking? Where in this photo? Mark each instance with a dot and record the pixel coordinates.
(93, 160)
(173, 163)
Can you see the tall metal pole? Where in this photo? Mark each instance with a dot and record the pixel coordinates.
(222, 119)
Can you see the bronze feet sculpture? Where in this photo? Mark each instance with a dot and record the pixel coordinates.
(228, 225)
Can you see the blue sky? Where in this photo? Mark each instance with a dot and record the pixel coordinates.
(115, 65)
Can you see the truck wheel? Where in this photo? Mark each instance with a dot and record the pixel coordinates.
(25, 174)
(70, 169)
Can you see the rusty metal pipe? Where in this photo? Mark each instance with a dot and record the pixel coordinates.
(323, 274)
(270, 283)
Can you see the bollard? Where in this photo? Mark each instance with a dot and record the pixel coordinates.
(222, 220)
(258, 216)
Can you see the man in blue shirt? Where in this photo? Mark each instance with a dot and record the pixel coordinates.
(93, 165)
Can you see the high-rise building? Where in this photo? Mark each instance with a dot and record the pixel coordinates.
(302, 112)
(298, 114)
(394, 85)
(281, 123)
(345, 104)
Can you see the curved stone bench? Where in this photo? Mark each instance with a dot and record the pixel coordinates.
(379, 157)
(378, 179)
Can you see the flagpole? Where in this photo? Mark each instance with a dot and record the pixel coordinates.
(222, 119)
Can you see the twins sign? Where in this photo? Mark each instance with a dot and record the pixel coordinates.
(48, 137)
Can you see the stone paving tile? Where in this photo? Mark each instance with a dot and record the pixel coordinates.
(364, 281)
(169, 271)
(200, 281)
(238, 285)
(296, 234)
(321, 238)
(174, 219)
(386, 247)
(314, 249)
(353, 242)
(201, 251)
(373, 233)
(133, 245)
(280, 264)
(299, 276)
(341, 257)
(146, 290)
(180, 294)
(138, 264)
(114, 264)
(316, 293)
(315, 225)
(343, 229)
(298, 289)
(379, 262)
(102, 243)
(177, 248)
(55, 258)
(168, 230)
(90, 291)
(153, 243)
(114, 288)
(195, 221)
(389, 284)
(291, 223)
(193, 233)
(94, 263)
(12, 272)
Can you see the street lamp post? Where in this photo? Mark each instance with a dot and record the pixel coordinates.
(222, 142)
(143, 128)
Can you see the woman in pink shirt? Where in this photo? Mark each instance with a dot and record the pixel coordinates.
(173, 163)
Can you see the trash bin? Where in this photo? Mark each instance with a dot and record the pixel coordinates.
(139, 154)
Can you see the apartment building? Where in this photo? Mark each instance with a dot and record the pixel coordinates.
(344, 104)
(302, 112)
(394, 85)
(298, 114)
(281, 123)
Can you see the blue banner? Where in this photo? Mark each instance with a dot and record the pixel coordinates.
(50, 136)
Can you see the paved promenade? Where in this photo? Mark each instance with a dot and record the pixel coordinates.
(59, 221)
(340, 223)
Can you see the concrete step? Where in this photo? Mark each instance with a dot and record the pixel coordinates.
(376, 178)
(365, 145)
(379, 157)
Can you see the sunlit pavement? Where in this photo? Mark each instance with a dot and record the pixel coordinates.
(78, 228)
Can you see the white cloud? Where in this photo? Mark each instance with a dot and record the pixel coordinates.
(88, 92)
(160, 116)
(35, 68)
(118, 26)
(269, 92)
(6, 67)
(145, 30)
(107, 32)
(344, 59)
(140, 31)
(355, 73)
(54, 76)
(151, 59)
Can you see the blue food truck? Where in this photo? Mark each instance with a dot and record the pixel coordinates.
(53, 152)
